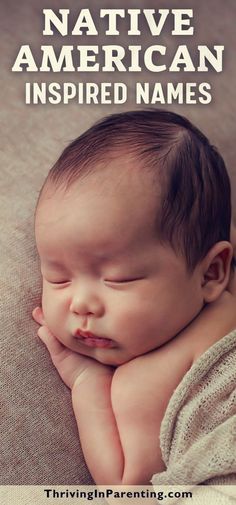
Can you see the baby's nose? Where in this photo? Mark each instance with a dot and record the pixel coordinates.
(86, 305)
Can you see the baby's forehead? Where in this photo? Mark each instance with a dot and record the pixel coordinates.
(118, 173)
(121, 168)
(117, 211)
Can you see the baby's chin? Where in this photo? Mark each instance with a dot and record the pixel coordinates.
(111, 357)
(113, 361)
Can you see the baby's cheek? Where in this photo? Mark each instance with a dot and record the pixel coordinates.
(47, 311)
(135, 320)
(51, 311)
(129, 316)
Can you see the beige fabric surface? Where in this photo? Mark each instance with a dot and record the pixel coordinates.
(198, 432)
(39, 440)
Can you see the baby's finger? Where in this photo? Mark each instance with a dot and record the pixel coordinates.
(53, 345)
(59, 354)
(38, 316)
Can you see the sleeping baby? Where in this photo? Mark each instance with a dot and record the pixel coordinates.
(132, 229)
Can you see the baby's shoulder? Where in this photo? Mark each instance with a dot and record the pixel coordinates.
(165, 367)
(215, 321)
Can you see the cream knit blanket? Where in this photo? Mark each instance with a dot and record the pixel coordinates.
(198, 432)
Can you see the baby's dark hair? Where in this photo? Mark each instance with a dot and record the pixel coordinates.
(194, 207)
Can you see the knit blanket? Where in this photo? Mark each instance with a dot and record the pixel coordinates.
(198, 431)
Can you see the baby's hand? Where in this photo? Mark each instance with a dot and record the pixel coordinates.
(71, 366)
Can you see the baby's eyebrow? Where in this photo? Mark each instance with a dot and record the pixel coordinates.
(53, 263)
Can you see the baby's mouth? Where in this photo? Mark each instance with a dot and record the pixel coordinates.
(90, 340)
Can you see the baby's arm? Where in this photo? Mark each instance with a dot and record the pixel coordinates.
(141, 390)
(99, 436)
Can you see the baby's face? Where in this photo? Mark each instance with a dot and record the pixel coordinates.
(111, 290)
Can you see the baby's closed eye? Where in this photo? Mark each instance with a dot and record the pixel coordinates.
(58, 282)
(121, 282)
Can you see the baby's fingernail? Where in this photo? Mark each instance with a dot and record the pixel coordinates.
(40, 333)
(35, 311)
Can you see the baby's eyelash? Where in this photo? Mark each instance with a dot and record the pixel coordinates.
(123, 281)
(58, 282)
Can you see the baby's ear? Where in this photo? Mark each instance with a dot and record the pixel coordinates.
(216, 270)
